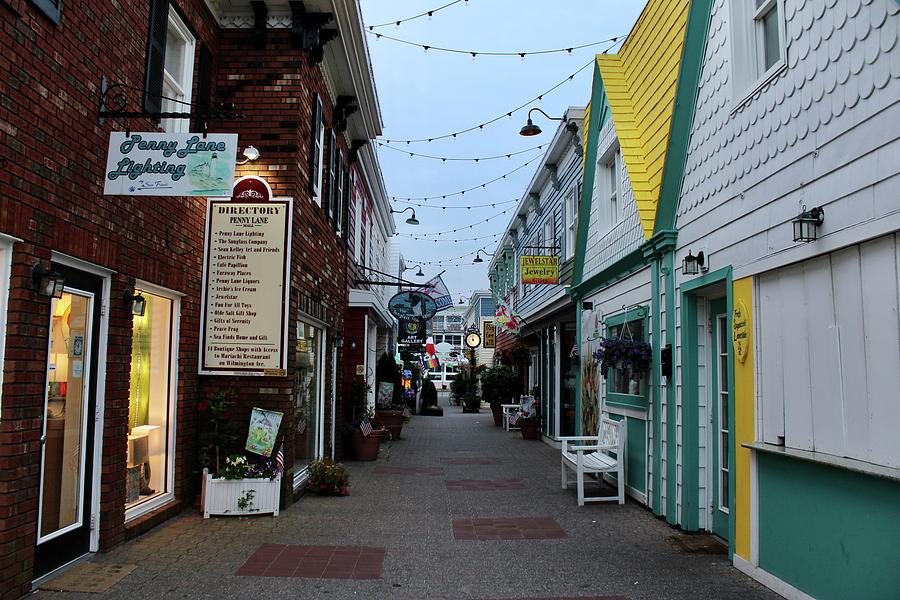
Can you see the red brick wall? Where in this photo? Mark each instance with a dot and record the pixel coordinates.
(51, 197)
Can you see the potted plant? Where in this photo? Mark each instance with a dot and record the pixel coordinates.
(241, 488)
(390, 415)
(529, 420)
(217, 432)
(365, 447)
(430, 399)
(627, 352)
(328, 478)
(457, 390)
(499, 385)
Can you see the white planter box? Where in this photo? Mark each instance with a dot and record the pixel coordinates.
(221, 496)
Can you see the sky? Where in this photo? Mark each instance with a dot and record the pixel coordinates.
(428, 93)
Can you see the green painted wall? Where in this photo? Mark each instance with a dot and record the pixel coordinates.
(636, 447)
(832, 533)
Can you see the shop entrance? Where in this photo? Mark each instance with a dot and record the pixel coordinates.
(720, 402)
(67, 440)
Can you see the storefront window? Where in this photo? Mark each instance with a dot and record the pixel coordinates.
(569, 377)
(623, 379)
(150, 401)
(307, 396)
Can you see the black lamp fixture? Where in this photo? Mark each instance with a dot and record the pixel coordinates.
(692, 264)
(250, 154)
(806, 225)
(410, 221)
(419, 273)
(462, 300)
(135, 302)
(531, 129)
(478, 258)
(47, 283)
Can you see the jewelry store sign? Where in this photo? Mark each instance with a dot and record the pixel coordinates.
(539, 269)
(245, 282)
(170, 164)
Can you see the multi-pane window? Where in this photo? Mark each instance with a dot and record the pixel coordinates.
(338, 202)
(767, 34)
(612, 178)
(177, 73)
(571, 213)
(317, 151)
(757, 29)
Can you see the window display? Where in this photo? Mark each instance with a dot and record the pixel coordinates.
(623, 379)
(307, 395)
(149, 403)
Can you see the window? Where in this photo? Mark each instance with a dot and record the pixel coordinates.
(5, 265)
(50, 8)
(612, 178)
(549, 237)
(178, 73)
(338, 202)
(625, 386)
(309, 398)
(571, 222)
(151, 401)
(357, 227)
(757, 43)
(317, 152)
(332, 155)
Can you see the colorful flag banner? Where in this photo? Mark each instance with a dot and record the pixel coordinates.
(279, 459)
(440, 293)
(507, 318)
(365, 427)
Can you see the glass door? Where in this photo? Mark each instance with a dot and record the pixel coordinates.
(720, 398)
(308, 397)
(64, 508)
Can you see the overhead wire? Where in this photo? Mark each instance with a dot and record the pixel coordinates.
(475, 187)
(427, 13)
(460, 159)
(470, 226)
(475, 53)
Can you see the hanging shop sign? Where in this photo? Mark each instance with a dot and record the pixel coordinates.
(411, 332)
(539, 269)
(170, 164)
(740, 330)
(245, 287)
(412, 306)
(438, 291)
(490, 335)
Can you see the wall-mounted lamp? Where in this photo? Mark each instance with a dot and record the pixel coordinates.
(410, 221)
(353, 344)
(338, 340)
(478, 258)
(806, 225)
(135, 302)
(250, 154)
(693, 264)
(531, 129)
(462, 300)
(47, 283)
(419, 273)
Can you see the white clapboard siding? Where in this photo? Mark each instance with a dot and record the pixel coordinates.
(830, 347)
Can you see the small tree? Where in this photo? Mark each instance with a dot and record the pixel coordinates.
(499, 385)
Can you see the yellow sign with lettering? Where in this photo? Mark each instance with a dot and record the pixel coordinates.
(539, 269)
(740, 330)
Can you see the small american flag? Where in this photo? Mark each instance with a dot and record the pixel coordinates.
(405, 411)
(365, 427)
(279, 459)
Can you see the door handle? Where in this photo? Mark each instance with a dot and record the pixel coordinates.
(44, 439)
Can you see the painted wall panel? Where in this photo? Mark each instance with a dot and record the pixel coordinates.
(770, 349)
(829, 532)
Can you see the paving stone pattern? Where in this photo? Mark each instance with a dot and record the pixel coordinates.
(609, 550)
(483, 485)
(321, 562)
(429, 471)
(507, 528)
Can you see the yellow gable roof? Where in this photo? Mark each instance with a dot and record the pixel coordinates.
(640, 83)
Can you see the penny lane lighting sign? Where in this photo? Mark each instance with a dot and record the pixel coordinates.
(245, 275)
(170, 164)
(539, 269)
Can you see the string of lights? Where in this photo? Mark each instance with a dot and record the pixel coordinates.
(492, 217)
(463, 192)
(507, 114)
(427, 13)
(450, 260)
(474, 239)
(460, 159)
(470, 207)
(475, 53)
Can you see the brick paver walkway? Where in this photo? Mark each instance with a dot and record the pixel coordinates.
(398, 536)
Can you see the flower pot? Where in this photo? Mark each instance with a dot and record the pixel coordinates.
(392, 420)
(531, 429)
(365, 447)
(225, 496)
(497, 413)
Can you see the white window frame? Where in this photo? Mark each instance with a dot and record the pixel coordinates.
(339, 208)
(6, 251)
(164, 498)
(319, 149)
(357, 226)
(611, 173)
(571, 221)
(182, 89)
(748, 48)
(301, 475)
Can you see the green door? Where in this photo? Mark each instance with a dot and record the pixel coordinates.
(720, 401)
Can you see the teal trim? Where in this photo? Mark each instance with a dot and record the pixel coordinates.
(671, 409)
(628, 264)
(720, 519)
(636, 452)
(829, 532)
(599, 115)
(656, 412)
(626, 401)
(683, 116)
(704, 280)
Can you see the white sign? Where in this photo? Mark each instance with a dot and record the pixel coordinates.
(245, 287)
(170, 164)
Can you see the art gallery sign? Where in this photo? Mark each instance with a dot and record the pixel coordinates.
(170, 164)
(245, 282)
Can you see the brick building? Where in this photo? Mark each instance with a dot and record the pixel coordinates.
(83, 378)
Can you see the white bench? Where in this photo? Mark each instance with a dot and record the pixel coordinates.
(509, 413)
(593, 457)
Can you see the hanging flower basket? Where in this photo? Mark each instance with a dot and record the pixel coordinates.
(624, 352)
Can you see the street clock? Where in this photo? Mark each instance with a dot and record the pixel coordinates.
(473, 340)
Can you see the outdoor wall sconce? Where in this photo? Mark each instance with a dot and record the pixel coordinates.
(338, 340)
(693, 264)
(136, 303)
(47, 283)
(478, 258)
(807, 223)
(250, 154)
(410, 221)
(531, 129)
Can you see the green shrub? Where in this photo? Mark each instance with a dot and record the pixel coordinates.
(500, 384)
